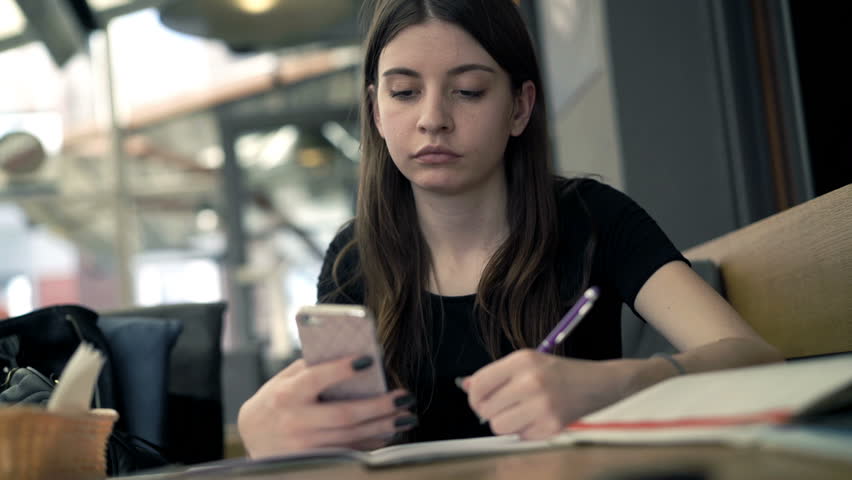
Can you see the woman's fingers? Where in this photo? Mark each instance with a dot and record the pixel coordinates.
(542, 428)
(528, 393)
(534, 418)
(311, 381)
(523, 409)
(484, 382)
(372, 443)
(348, 413)
(384, 427)
(512, 420)
(493, 376)
(285, 414)
(518, 389)
(292, 369)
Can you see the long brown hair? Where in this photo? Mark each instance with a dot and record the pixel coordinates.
(518, 294)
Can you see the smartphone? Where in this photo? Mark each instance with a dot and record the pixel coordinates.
(329, 332)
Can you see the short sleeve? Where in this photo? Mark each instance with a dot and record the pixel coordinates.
(346, 287)
(631, 246)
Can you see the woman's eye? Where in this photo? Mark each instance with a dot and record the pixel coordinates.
(402, 94)
(471, 93)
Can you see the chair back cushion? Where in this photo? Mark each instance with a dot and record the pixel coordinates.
(195, 428)
(141, 348)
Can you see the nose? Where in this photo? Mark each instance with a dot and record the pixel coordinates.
(435, 115)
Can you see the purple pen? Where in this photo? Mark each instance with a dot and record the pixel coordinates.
(570, 320)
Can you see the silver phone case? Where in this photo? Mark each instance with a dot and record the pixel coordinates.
(329, 332)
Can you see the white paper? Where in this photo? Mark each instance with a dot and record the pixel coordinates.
(425, 451)
(73, 393)
(731, 394)
(394, 455)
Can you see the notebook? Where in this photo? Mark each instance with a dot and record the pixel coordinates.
(727, 406)
(383, 457)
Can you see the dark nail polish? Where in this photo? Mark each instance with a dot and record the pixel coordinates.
(362, 363)
(409, 421)
(405, 401)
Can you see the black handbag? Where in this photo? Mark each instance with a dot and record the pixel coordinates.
(34, 349)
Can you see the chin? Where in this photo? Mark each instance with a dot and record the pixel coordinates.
(436, 181)
(440, 188)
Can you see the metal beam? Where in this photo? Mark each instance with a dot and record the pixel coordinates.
(105, 16)
(23, 38)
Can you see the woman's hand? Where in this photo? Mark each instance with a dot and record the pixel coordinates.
(536, 394)
(285, 415)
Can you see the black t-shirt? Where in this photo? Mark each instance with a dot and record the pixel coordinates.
(629, 248)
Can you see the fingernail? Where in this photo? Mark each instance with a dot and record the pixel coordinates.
(460, 383)
(405, 401)
(482, 421)
(362, 363)
(407, 421)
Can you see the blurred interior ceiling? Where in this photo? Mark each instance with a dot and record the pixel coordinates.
(174, 149)
(61, 25)
(299, 134)
(257, 25)
(243, 25)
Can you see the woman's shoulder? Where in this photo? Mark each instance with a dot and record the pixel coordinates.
(338, 279)
(588, 195)
(343, 243)
(341, 252)
(344, 235)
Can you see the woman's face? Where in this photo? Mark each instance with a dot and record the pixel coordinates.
(446, 109)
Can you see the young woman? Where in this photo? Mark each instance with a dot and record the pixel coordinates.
(469, 250)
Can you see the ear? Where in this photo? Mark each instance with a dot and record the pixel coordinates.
(523, 108)
(374, 109)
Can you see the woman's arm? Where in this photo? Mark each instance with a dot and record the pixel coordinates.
(710, 334)
(536, 394)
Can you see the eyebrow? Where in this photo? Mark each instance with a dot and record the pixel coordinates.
(453, 71)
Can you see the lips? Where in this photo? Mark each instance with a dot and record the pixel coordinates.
(434, 154)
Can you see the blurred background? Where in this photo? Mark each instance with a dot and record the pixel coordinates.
(156, 152)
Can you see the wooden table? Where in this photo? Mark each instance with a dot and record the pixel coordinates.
(580, 463)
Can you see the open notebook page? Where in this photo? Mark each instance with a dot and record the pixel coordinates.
(394, 455)
(425, 451)
(760, 394)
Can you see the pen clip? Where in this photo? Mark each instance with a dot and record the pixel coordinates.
(580, 314)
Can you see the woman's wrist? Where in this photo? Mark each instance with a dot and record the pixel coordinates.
(681, 370)
(636, 374)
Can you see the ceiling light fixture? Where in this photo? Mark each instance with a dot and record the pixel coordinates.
(11, 19)
(256, 7)
(258, 25)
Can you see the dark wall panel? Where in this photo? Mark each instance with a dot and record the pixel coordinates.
(678, 132)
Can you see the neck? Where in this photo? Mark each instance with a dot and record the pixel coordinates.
(457, 225)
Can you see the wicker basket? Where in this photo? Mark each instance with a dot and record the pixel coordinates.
(37, 445)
